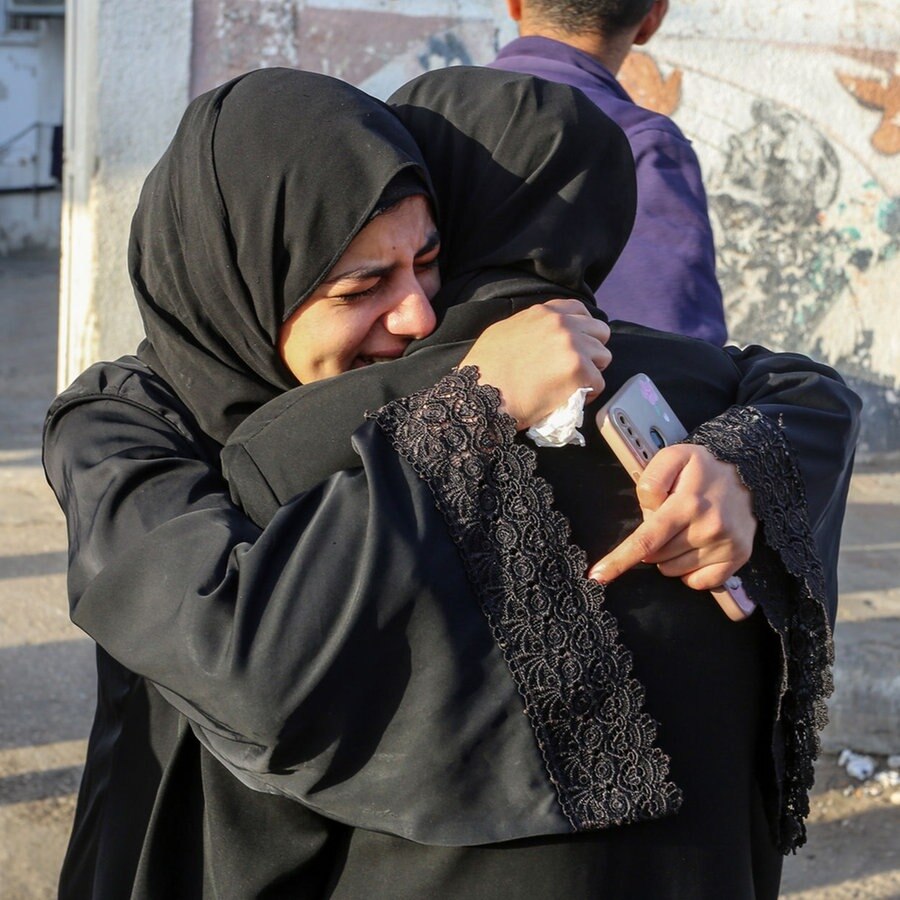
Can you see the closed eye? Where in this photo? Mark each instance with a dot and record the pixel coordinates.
(423, 265)
(357, 295)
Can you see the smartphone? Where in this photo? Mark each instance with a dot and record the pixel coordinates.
(637, 423)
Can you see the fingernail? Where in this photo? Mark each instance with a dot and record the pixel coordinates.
(598, 574)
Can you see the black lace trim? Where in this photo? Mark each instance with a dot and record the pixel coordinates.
(792, 600)
(562, 647)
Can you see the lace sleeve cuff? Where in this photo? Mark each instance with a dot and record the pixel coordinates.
(560, 644)
(791, 595)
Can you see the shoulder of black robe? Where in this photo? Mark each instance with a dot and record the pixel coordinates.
(237, 224)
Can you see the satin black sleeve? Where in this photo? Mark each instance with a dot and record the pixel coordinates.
(818, 417)
(799, 500)
(562, 646)
(562, 649)
(336, 657)
(303, 436)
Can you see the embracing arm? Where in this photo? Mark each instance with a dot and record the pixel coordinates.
(325, 657)
(243, 627)
(304, 436)
(784, 453)
(818, 417)
(306, 655)
(707, 525)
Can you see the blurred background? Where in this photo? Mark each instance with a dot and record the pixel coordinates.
(794, 110)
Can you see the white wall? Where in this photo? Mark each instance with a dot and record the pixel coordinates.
(31, 91)
(127, 83)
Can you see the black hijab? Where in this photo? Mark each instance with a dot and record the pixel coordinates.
(535, 186)
(267, 180)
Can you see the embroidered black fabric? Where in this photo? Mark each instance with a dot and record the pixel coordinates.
(562, 647)
(791, 598)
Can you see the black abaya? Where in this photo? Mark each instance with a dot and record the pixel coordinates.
(161, 816)
(510, 147)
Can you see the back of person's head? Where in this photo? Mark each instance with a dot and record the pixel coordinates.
(533, 182)
(608, 17)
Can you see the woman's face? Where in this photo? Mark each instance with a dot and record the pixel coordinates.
(375, 300)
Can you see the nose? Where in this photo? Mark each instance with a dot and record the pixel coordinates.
(412, 314)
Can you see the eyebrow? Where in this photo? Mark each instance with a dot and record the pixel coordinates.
(364, 272)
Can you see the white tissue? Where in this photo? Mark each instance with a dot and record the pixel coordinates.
(561, 426)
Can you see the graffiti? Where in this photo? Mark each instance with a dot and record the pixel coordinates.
(804, 260)
(444, 50)
(786, 249)
(232, 36)
(645, 83)
(882, 95)
(778, 265)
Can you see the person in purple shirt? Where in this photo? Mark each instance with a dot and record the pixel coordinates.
(666, 276)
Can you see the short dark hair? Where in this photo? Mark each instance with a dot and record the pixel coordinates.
(606, 16)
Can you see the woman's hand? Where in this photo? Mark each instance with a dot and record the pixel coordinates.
(698, 522)
(540, 356)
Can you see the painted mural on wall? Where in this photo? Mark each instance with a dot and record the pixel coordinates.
(803, 180)
(648, 86)
(376, 45)
(799, 139)
(880, 93)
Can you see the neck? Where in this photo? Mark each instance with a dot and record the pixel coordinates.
(608, 51)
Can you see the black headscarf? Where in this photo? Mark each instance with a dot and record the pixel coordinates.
(535, 186)
(267, 180)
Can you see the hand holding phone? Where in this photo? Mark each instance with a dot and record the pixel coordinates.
(637, 423)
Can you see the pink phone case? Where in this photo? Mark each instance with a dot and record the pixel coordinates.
(637, 423)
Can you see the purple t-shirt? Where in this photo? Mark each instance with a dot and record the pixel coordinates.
(666, 275)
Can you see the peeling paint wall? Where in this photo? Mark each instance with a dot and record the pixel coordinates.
(794, 108)
(376, 44)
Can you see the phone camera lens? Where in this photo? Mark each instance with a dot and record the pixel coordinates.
(657, 438)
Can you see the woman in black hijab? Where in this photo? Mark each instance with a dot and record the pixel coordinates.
(291, 677)
(228, 653)
(714, 712)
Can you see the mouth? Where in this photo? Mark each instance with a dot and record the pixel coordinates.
(362, 361)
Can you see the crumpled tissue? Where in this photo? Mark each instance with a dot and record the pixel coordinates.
(561, 426)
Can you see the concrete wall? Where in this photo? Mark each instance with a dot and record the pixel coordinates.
(127, 83)
(376, 44)
(792, 107)
(31, 103)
